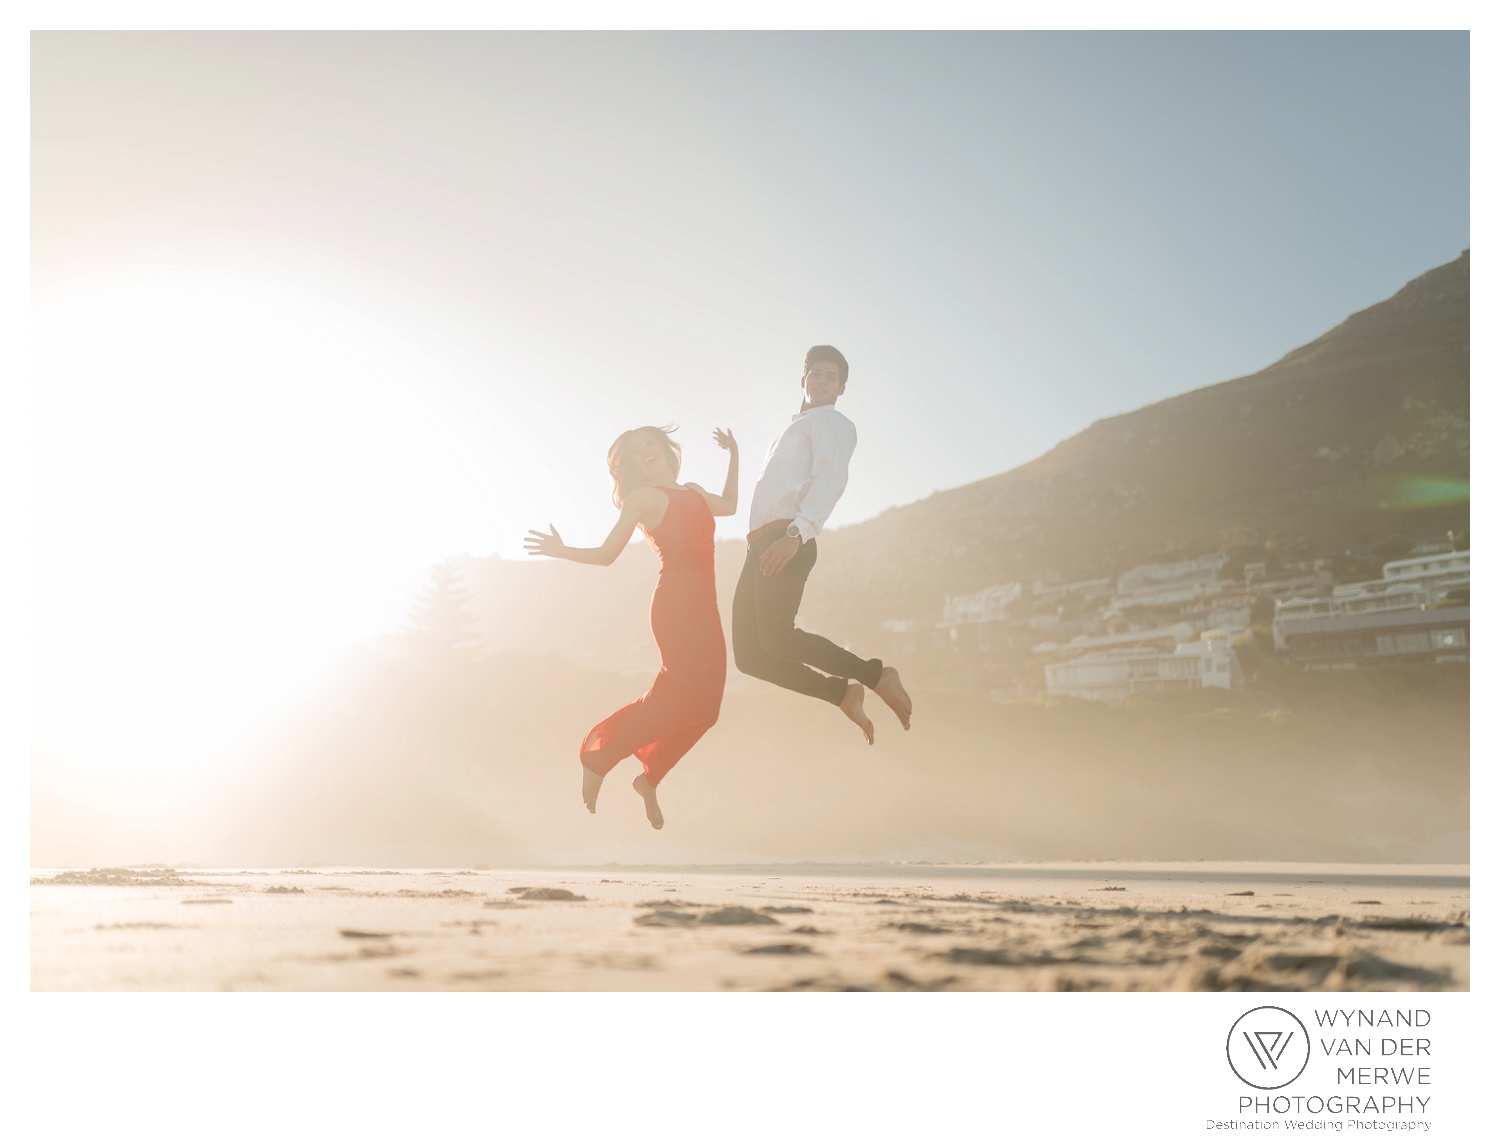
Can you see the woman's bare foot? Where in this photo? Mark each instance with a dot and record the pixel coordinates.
(894, 695)
(648, 795)
(853, 706)
(591, 783)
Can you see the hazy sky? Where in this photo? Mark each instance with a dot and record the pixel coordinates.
(314, 310)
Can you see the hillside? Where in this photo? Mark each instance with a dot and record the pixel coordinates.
(1357, 435)
(1360, 434)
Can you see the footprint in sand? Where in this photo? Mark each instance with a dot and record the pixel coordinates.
(549, 894)
(780, 950)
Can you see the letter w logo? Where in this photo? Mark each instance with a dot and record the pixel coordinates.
(1268, 1046)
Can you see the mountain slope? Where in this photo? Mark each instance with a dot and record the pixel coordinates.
(1354, 436)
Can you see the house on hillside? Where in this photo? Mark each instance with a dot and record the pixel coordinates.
(1301, 580)
(988, 605)
(1114, 675)
(1373, 597)
(1162, 638)
(1436, 571)
(1344, 642)
(1053, 595)
(976, 623)
(1161, 584)
(1229, 608)
(1361, 598)
(1435, 545)
(1406, 585)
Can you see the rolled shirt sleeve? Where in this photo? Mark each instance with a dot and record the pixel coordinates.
(833, 439)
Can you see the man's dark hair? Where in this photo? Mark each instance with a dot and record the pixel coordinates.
(827, 353)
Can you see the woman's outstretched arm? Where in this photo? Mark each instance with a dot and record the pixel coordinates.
(728, 503)
(636, 504)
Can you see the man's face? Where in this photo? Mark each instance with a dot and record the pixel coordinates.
(821, 384)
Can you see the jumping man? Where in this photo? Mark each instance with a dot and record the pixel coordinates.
(803, 477)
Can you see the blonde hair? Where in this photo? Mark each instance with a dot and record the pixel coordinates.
(622, 469)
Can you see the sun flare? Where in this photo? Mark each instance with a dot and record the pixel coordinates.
(233, 479)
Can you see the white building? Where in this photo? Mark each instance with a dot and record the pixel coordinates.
(1346, 642)
(1054, 594)
(1165, 637)
(1369, 598)
(1291, 581)
(1407, 585)
(1114, 675)
(1230, 608)
(986, 606)
(1449, 569)
(1160, 584)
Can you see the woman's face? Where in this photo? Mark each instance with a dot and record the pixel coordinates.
(648, 456)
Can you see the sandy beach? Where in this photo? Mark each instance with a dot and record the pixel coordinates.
(1020, 927)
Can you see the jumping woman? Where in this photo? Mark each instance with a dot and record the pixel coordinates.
(678, 519)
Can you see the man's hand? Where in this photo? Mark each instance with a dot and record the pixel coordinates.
(779, 554)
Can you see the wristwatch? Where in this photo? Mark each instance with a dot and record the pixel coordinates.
(793, 531)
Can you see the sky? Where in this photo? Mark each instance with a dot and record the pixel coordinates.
(312, 311)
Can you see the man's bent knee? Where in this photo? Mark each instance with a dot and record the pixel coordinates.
(780, 642)
(754, 663)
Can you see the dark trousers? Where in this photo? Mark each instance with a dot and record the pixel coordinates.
(767, 643)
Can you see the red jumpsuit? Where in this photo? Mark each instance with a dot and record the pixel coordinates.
(665, 722)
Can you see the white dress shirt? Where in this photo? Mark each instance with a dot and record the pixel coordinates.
(806, 470)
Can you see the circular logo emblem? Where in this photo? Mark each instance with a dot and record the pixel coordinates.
(1268, 1047)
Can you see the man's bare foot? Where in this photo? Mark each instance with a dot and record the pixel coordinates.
(894, 695)
(648, 795)
(853, 706)
(591, 783)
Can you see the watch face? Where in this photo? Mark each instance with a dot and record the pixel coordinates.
(791, 529)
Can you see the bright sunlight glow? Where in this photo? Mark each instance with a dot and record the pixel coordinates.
(233, 480)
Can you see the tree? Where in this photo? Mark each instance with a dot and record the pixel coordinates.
(439, 623)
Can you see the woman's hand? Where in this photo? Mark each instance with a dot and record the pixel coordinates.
(729, 501)
(539, 543)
